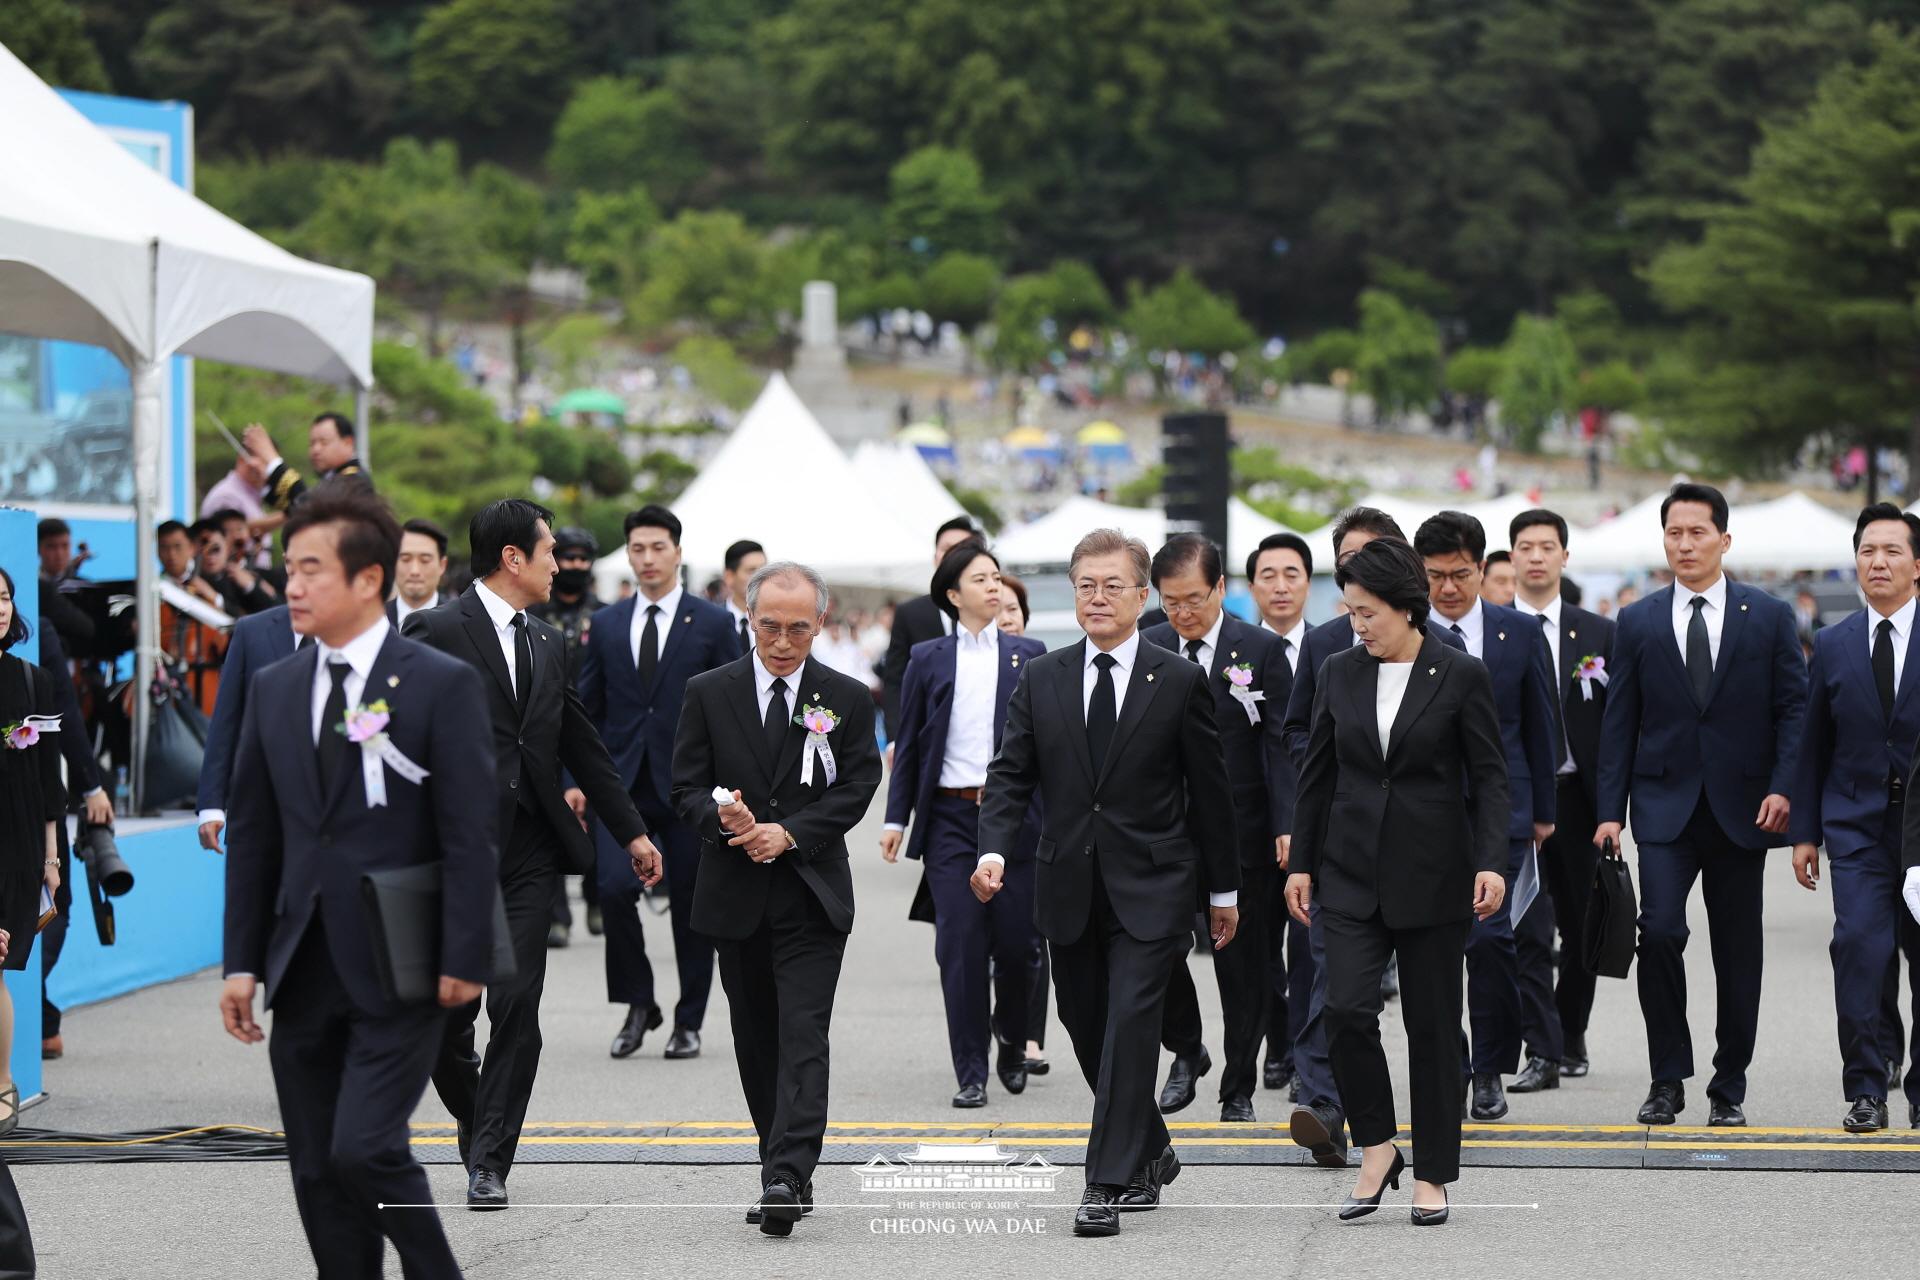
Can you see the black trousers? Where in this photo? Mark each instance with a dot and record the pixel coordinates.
(780, 982)
(968, 933)
(1112, 988)
(1567, 863)
(1871, 929)
(348, 1081)
(1732, 887)
(1290, 969)
(1242, 972)
(629, 972)
(1495, 1011)
(589, 894)
(16, 1237)
(492, 1096)
(1430, 994)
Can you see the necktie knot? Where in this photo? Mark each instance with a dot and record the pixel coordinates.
(519, 621)
(1886, 626)
(779, 686)
(1105, 661)
(1455, 628)
(653, 610)
(1697, 603)
(338, 670)
(1193, 649)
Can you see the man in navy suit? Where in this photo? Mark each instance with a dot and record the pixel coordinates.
(1850, 792)
(1567, 859)
(953, 710)
(1704, 713)
(639, 655)
(349, 1061)
(1318, 1122)
(1454, 546)
(258, 640)
(1250, 681)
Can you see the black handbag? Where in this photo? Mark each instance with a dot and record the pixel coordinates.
(1610, 931)
(403, 920)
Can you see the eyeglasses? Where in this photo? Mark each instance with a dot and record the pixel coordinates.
(769, 630)
(1111, 589)
(1186, 607)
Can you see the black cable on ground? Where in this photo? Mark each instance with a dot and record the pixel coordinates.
(199, 1143)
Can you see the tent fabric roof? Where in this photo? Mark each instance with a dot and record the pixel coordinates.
(1050, 539)
(95, 247)
(897, 477)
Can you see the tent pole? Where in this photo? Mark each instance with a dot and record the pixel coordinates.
(147, 375)
(363, 426)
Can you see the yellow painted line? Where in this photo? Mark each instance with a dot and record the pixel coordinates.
(1545, 1144)
(1787, 1146)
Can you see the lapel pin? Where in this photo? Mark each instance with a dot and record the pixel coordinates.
(1502, 635)
(1573, 635)
(1149, 677)
(543, 637)
(1432, 670)
(1016, 659)
(1234, 654)
(688, 618)
(393, 682)
(815, 695)
(1743, 608)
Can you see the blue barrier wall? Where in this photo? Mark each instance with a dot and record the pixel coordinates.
(20, 555)
(168, 927)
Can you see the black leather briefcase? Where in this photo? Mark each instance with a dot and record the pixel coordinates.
(1612, 917)
(403, 918)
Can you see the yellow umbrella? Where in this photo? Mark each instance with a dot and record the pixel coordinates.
(930, 434)
(1101, 433)
(1025, 438)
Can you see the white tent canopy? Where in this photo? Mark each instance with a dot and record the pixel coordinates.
(1782, 535)
(897, 477)
(781, 480)
(95, 247)
(1050, 539)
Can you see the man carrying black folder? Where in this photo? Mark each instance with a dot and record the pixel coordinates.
(357, 756)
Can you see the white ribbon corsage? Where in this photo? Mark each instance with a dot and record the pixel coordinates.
(366, 725)
(818, 722)
(1591, 671)
(1239, 679)
(25, 733)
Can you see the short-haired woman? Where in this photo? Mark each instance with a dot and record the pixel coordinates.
(1400, 835)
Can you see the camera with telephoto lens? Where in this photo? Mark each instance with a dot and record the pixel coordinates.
(109, 870)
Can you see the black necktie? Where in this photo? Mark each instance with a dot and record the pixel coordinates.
(333, 743)
(1193, 649)
(649, 656)
(1100, 711)
(746, 637)
(1286, 650)
(522, 663)
(1883, 664)
(1455, 628)
(776, 721)
(1699, 652)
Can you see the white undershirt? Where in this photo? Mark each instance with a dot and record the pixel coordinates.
(1388, 694)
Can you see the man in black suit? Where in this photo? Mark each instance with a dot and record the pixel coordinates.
(1580, 642)
(349, 1061)
(791, 741)
(1249, 680)
(258, 641)
(1119, 739)
(423, 564)
(1702, 729)
(1318, 1123)
(539, 728)
(743, 559)
(916, 620)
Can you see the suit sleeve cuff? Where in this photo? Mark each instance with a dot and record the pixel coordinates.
(1231, 898)
(212, 815)
(985, 858)
(896, 826)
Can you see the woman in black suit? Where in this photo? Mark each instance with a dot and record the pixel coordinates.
(1401, 834)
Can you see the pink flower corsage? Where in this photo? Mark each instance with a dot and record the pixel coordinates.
(25, 733)
(1240, 678)
(1591, 671)
(818, 721)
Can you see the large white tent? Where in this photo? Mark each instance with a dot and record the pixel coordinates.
(1050, 539)
(95, 247)
(1782, 535)
(894, 475)
(782, 481)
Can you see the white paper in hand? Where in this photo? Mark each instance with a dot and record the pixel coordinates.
(1911, 892)
(722, 796)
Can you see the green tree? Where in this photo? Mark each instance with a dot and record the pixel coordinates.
(1079, 295)
(1799, 294)
(482, 65)
(268, 75)
(1020, 314)
(572, 345)
(1398, 362)
(608, 238)
(1316, 359)
(1184, 315)
(1538, 379)
(1474, 372)
(50, 36)
(616, 135)
(960, 287)
(937, 203)
(704, 269)
(270, 196)
(717, 369)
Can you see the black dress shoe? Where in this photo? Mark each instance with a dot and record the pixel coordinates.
(1143, 1190)
(1867, 1115)
(596, 923)
(640, 1020)
(1489, 1099)
(1099, 1211)
(1390, 980)
(1913, 1115)
(485, 1190)
(1361, 1206)
(1275, 1074)
(1727, 1115)
(1011, 1066)
(1037, 1066)
(558, 935)
(1236, 1111)
(806, 1205)
(1431, 1217)
(1293, 1089)
(1573, 1058)
(1539, 1074)
(1665, 1100)
(1323, 1131)
(1181, 1077)
(971, 1095)
(779, 1208)
(683, 1043)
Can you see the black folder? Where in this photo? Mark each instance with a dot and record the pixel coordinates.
(1612, 918)
(403, 918)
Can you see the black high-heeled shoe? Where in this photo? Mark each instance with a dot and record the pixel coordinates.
(1361, 1207)
(1431, 1217)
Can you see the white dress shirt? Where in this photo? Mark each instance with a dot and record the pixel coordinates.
(220, 815)
(740, 619)
(1902, 619)
(502, 615)
(1387, 697)
(976, 682)
(1472, 627)
(1293, 640)
(1715, 614)
(1552, 627)
(763, 687)
(359, 654)
(402, 610)
(669, 606)
(1209, 643)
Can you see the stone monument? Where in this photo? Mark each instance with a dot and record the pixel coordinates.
(819, 373)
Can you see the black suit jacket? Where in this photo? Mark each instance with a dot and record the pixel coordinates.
(556, 733)
(1159, 816)
(294, 853)
(1583, 634)
(1401, 834)
(720, 744)
(913, 621)
(1262, 794)
(258, 641)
